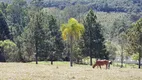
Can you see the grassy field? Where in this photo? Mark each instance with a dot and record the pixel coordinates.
(62, 71)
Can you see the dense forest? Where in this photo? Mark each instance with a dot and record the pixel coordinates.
(50, 30)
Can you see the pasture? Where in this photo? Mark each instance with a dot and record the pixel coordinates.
(62, 71)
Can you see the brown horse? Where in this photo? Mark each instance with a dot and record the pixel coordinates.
(101, 63)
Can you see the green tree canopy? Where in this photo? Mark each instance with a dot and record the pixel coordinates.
(135, 38)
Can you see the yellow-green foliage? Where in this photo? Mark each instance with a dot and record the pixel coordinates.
(9, 49)
(72, 29)
(7, 44)
(135, 56)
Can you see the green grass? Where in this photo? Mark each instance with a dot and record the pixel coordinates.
(62, 71)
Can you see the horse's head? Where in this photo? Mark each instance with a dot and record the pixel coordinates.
(110, 62)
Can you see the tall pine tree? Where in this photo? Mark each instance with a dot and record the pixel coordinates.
(38, 34)
(55, 38)
(4, 30)
(93, 38)
(36, 22)
(98, 44)
(4, 34)
(89, 23)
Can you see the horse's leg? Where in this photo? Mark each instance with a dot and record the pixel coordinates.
(94, 65)
(106, 66)
(100, 66)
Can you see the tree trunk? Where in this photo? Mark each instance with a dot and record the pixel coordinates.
(90, 51)
(2, 57)
(51, 62)
(77, 61)
(36, 59)
(121, 57)
(90, 58)
(71, 63)
(139, 61)
(139, 66)
(71, 55)
(90, 44)
(51, 57)
(140, 48)
(36, 55)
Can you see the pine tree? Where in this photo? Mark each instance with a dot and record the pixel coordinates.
(93, 38)
(4, 30)
(4, 34)
(89, 24)
(38, 34)
(55, 38)
(36, 23)
(98, 44)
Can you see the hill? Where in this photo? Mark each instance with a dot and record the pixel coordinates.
(98, 5)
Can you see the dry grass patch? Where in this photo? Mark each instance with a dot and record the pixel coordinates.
(30, 71)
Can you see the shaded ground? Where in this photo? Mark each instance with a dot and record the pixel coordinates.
(62, 71)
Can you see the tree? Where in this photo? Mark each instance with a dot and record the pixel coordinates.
(89, 23)
(135, 38)
(55, 37)
(38, 34)
(4, 33)
(53, 32)
(36, 23)
(94, 40)
(25, 43)
(36, 27)
(34, 42)
(17, 19)
(78, 51)
(4, 30)
(122, 42)
(111, 49)
(71, 32)
(17, 16)
(9, 48)
(3, 7)
(119, 26)
(99, 43)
